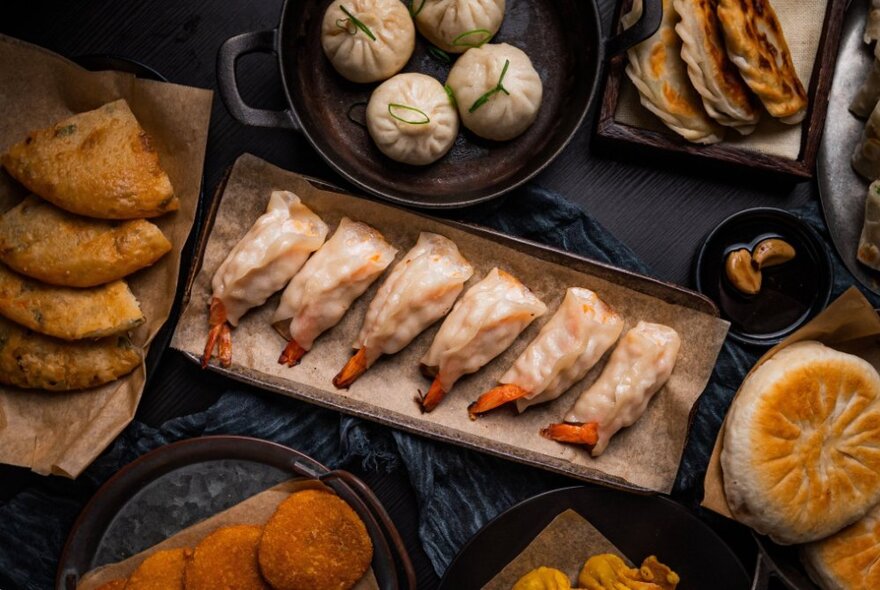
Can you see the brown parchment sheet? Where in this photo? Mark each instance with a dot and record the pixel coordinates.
(802, 22)
(850, 324)
(255, 510)
(644, 456)
(61, 433)
(565, 544)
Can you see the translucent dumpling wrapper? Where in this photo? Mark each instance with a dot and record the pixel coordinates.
(872, 23)
(570, 344)
(260, 264)
(368, 40)
(420, 290)
(482, 325)
(868, 94)
(869, 241)
(329, 282)
(458, 25)
(640, 365)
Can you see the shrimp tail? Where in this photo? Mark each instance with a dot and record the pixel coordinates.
(354, 368)
(577, 434)
(495, 397)
(291, 354)
(219, 335)
(434, 396)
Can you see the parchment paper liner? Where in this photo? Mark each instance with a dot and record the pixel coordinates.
(61, 433)
(849, 324)
(255, 510)
(645, 456)
(565, 544)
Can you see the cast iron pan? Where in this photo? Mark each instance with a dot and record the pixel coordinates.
(637, 525)
(562, 37)
(180, 484)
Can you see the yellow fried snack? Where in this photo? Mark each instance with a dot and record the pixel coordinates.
(67, 313)
(33, 361)
(44, 242)
(163, 570)
(314, 541)
(609, 572)
(113, 585)
(543, 578)
(100, 163)
(226, 560)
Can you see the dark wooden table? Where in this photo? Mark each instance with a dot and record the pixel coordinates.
(661, 211)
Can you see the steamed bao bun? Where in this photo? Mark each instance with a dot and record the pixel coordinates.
(506, 114)
(457, 25)
(354, 53)
(411, 119)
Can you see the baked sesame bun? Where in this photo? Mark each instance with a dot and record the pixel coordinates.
(848, 560)
(801, 456)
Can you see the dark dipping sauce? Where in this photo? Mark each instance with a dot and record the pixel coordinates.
(791, 293)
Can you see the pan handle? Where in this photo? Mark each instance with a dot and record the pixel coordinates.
(647, 25)
(231, 50)
(378, 510)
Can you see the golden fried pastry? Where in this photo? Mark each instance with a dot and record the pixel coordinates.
(314, 541)
(67, 313)
(163, 570)
(801, 454)
(44, 242)
(226, 560)
(33, 361)
(543, 578)
(756, 45)
(609, 572)
(100, 163)
(114, 584)
(849, 559)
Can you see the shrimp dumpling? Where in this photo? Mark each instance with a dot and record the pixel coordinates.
(329, 282)
(497, 90)
(368, 40)
(412, 119)
(490, 316)
(457, 25)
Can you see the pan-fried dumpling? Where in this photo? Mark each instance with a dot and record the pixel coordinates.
(490, 316)
(457, 25)
(660, 75)
(43, 242)
(329, 282)
(100, 164)
(801, 449)
(866, 157)
(497, 90)
(412, 119)
(368, 40)
(32, 361)
(568, 346)
(868, 94)
(869, 242)
(725, 96)
(872, 22)
(849, 559)
(420, 290)
(66, 313)
(756, 44)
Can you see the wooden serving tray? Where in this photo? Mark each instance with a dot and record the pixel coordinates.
(644, 457)
(638, 141)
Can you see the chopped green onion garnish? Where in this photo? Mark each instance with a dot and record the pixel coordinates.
(498, 88)
(415, 11)
(451, 94)
(423, 120)
(357, 22)
(439, 54)
(461, 40)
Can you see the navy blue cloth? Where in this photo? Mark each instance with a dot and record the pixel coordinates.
(458, 490)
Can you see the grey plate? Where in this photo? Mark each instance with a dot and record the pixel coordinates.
(841, 190)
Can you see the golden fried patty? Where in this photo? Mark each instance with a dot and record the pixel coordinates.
(163, 570)
(113, 585)
(100, 163)
(67, 313)
(226, 560)
(314, 541)
(44, 242)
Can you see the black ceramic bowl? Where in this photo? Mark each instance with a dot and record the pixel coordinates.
(791, 293)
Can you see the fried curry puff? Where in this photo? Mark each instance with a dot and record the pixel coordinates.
(66, 313)
(100, 163)
(314, 541)
(33, 361)
(162, 570)
(226, 559)
(44, 242)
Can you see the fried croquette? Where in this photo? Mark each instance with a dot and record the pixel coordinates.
(314, 541)
(226, 560)
(163, 570)
(113, 585)
(100, 163)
